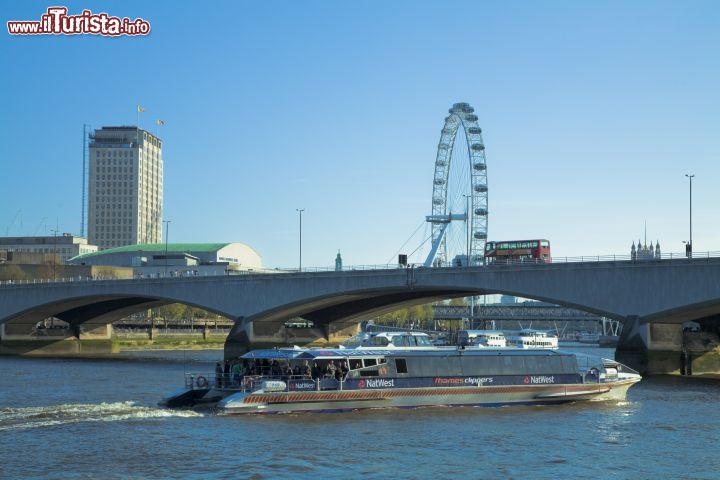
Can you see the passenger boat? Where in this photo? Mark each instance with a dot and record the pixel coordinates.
(529, 338)
(586, 337)
(482, 338)
(407, 378)
(391, 340)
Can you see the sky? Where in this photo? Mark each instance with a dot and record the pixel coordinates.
(592, 114)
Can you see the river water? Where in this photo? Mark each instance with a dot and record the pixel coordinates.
(87, 419)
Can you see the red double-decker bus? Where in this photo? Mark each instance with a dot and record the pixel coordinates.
(518, 251)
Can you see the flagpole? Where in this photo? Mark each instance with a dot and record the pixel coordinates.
(160, 123)
(140, 109)
(137, 125)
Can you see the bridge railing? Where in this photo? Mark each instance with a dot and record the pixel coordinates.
(576, 259)
(695, 256)
(636, 258)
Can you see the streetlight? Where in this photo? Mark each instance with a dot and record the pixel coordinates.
(688, 247)
(167, 227)
(54, 255)
(467, 227)
(467, 259)
(300, 210)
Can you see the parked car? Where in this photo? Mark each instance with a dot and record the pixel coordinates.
(299, 323)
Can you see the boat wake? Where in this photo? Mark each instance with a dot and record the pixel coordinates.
(53, 415)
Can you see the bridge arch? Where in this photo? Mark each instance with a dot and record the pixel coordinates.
(664, 291)
(667, 289)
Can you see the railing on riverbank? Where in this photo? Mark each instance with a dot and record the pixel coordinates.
(171, 334)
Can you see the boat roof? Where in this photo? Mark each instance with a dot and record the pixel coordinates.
(393, 334)
(329, 353)
(485, 332)
(532, 331)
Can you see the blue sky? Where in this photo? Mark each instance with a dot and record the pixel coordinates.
(592, 114)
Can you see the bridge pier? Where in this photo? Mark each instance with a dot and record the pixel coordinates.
(664, 348)
(238, 340)
(56, 342)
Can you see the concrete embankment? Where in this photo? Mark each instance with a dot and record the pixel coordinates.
(69, 345)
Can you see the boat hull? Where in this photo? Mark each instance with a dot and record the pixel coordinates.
(191, 397)
(346, 400)
(283, 380)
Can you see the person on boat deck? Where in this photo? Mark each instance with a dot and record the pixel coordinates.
(218, 375)
(343, 371)
(305, 370)
(226, 374)
(331, 369)
(236, 372)
(315, 372)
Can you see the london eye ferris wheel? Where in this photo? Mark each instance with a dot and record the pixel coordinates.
(459, 218)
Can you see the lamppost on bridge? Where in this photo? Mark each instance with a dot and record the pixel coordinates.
(167, 227)
(300, 210)
(689, 246)
(467, 253)
(54, 255)
(467, 228)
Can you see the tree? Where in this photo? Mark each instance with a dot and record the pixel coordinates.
(105, 272)
(173, 311)
(422, 315)
(397, 318)
(417, 315)
(12, 272)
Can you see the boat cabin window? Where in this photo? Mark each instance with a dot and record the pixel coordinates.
(360, 363)
(410, 341)
(400, 365)
(495, 365)
(366, 367)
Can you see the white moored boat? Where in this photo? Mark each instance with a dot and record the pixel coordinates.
(392, 340)
(529, 338)
(410, 377)
(482, 338)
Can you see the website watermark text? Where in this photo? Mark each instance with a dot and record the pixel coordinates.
(57, 22)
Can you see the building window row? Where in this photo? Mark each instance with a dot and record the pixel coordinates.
(58, 250)
(123, 170)
(103, 153)
(116, 183)
(119, 212)
(112, 224)
(114, 194)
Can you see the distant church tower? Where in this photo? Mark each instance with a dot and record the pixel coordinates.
(645, 251)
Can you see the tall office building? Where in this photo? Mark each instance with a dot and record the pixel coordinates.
(125, 195)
